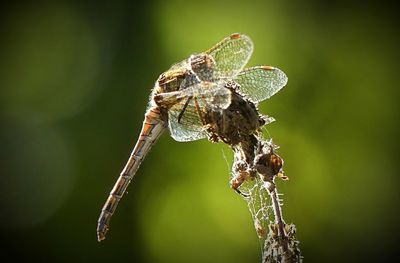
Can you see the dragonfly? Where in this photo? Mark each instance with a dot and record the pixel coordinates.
(208, 95)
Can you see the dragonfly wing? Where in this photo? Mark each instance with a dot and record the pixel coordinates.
(261, 82)
(186, 126)
(186, 116)
(231, 55)
(220, 98)
(212, 95)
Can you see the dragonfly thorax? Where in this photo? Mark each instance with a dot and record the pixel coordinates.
(171, 80)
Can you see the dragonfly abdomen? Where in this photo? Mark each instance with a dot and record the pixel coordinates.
(153, 126)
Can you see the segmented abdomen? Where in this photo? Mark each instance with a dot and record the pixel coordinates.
(152, 128)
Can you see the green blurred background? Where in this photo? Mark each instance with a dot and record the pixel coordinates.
(75, 79)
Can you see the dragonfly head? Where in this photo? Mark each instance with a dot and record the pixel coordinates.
(171, 80)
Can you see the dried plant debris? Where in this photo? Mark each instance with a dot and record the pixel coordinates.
(256, 166)
(281, 250)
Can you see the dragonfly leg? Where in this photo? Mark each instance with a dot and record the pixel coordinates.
(184, 109)
(196, 104)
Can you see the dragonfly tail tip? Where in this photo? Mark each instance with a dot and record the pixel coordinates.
(100, 237)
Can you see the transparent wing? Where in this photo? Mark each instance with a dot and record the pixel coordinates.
(214, 95)
(190, 125)
(185, 118)
(260, 83)
(231, 55)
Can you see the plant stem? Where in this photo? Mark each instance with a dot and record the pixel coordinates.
(277, 209)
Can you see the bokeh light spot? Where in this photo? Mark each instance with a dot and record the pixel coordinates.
(37, 174)
(49, 63)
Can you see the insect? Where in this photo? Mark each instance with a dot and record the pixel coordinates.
(209, 95)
